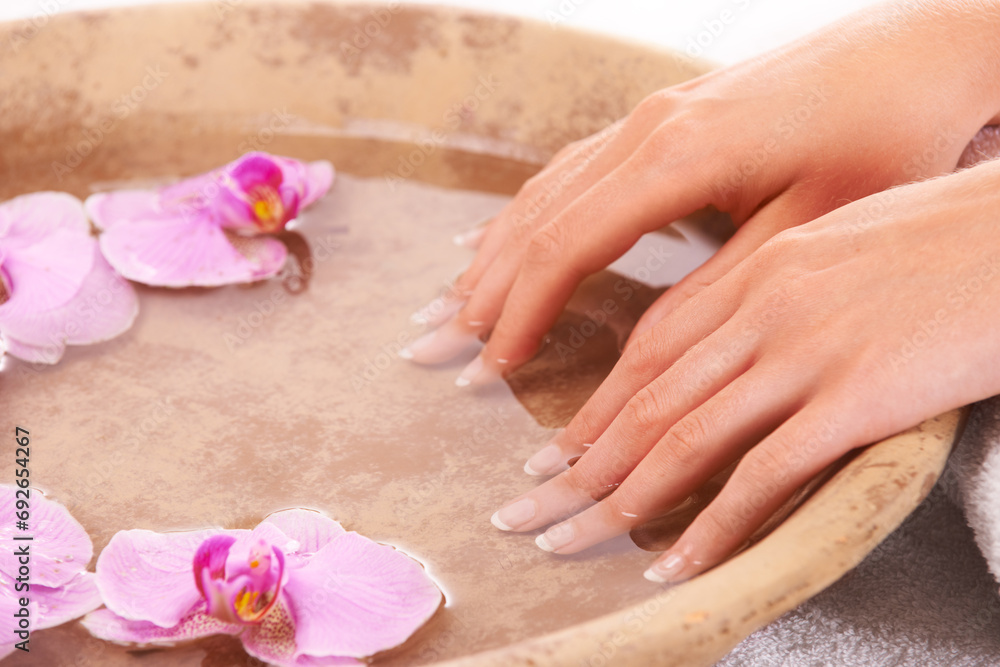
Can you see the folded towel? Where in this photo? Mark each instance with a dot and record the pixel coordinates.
(925, 596)
(973, 479)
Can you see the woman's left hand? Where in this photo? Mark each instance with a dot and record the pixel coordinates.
(832, 335)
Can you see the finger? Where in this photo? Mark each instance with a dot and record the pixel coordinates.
(784, 212)
(530, 296)
(645, 420)
(639, 366)
(473, 238)
(442, 344)
(766, 477)
(545, 193)
(694, 449)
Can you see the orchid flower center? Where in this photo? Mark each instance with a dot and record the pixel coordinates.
(267, 208)
(239, 584)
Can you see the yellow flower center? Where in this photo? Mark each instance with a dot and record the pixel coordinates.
(267, 208)
(251, 606)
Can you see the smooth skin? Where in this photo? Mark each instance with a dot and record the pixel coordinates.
(783, 347)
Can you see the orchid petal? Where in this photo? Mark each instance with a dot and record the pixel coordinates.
(8, 606)
(46, 274)
(356, 597)
(104, 307)
(266, 253)
(33, 354)
(105, 624)
(108, 209)
(319, 179)
(274, 641)
(211, 556)
(60, 548)
(254, 169)
(309, 528)
(31, 218)
(146, 576)
(55, 606)
(182, 253)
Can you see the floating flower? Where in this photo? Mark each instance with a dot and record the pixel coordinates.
(55, 286)
(48, 572)
(208, 230)
(298, 590)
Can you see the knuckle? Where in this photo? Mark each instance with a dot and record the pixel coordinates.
(588, 477)
(686, 440)
(546, 246)
(645, 353)
(646, 409)
(761, 465)
(717, 526)
(585, 426)
(652, 108)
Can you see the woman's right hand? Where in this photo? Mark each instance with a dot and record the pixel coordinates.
(887, 96)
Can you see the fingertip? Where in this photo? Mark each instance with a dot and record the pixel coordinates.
(478, 372)
(669, 569)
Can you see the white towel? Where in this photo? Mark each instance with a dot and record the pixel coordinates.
(925, 597)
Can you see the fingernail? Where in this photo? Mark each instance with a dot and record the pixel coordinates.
(439, 346)
(666, 570)
(514, 515)
(438, 311)
(471, 238)
(476, 373)
(548, 461)
(556, 537)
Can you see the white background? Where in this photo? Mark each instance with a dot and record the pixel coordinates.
(754, 25)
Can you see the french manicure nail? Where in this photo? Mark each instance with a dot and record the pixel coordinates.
(438, 311)
(514, 515)
(547, 461)
(476, 373)
(556, 537)
(471, 238)
(665, 571)
(438, 346)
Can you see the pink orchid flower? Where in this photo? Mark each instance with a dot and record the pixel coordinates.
(298, 590)
(55, 286)
(57, 587)
(208, 230)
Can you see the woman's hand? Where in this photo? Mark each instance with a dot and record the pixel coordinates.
(887, 96)
(830, 336)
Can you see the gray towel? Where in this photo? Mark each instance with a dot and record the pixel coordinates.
(926, 596)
